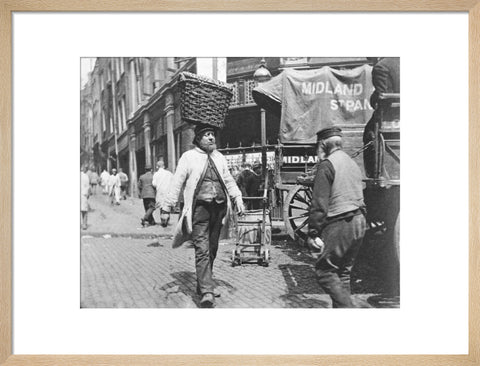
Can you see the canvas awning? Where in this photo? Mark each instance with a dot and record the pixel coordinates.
(309, 100)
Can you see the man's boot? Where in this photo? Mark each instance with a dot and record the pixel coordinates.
(208, 300)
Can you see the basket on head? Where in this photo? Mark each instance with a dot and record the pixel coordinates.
(204, 100)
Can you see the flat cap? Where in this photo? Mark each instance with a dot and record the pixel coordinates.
(203, 127)
(325, 133)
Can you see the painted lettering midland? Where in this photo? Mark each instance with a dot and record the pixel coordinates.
(325, 87)
(339, 90)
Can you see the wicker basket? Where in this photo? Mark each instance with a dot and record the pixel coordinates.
(204, 100)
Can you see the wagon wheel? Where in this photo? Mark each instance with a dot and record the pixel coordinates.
(295, 211)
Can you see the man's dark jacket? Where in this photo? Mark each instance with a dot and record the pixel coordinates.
(385, 77)
(145, 187)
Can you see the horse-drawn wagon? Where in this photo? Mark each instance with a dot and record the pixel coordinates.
(308, 100)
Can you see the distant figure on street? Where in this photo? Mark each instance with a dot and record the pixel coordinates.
(235, 171)
(257, 168)
(123, 183)
(114, 184)
(84, 194)
(104, 177)
(337, 216)
(249, 183)
(146, 191)
(161, 181)
(207, 213)
(93, 176)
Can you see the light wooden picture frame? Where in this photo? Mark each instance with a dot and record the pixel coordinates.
(8, 7)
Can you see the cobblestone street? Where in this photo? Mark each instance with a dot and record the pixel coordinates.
(126, 266)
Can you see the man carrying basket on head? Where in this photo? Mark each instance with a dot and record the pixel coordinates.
(207, 214)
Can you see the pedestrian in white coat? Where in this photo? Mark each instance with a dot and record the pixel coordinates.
(114, 184)
(161, 181)
(207, 213)
(104, 177)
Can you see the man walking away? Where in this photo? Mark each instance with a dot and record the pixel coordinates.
(123, 183)
(93, 180)
(84, 194)
(114, 186)
(337, 222)
(161, 181)
(206, 214)
(249, 183)
(146, 191)
(104, 177)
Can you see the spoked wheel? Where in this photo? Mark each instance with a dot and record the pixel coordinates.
(296, 210)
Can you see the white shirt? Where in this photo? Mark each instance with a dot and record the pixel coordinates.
(84, 184)
(114, 181)
(104, 177)
(161, 181)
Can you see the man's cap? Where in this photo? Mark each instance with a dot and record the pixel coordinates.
(325, 133)
(202, 128)
(148, 166)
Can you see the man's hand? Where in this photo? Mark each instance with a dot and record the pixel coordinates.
(164, 218)
(240, 207)
(316, 244)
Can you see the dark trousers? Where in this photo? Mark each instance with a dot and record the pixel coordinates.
(206, 226)
(149, 205)
(342, 240)
(124, 190)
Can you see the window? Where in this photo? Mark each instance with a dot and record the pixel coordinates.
(117, 69)
(235, 100)
(104, 125)
(122, 66)
(123, 111)
(120, 116)
(249, 85)
(242, 92)
(178, 145)
(146, 77)
(111, 124)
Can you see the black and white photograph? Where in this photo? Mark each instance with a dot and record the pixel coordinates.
(240, 182)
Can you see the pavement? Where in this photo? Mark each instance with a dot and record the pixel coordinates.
(124, 265)
(122, 220)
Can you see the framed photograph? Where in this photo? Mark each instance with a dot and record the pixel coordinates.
(178, 113)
